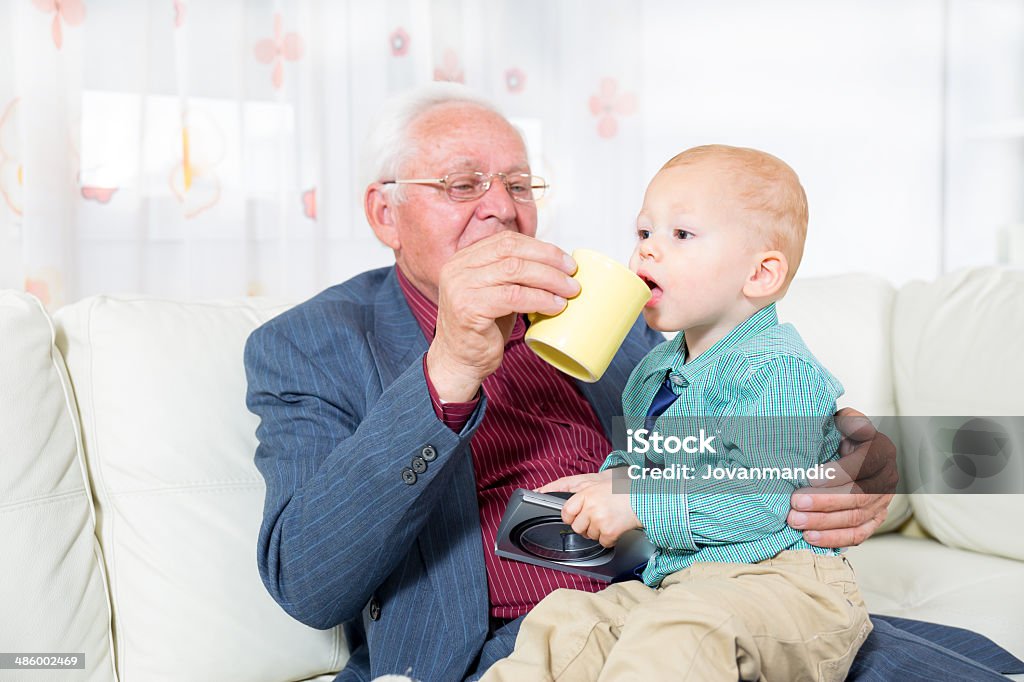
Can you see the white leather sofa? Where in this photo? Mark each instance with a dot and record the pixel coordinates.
(129, 503)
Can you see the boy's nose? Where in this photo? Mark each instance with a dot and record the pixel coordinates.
(647, 248)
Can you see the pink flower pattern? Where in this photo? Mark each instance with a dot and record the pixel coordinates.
(180, 7)
(309, 203)
(450, 69)
(283, 46)
(71, 11)
(399, 41)
(38, 288)
(46, 284)
(515, 80)
(101, 195)
(607, 104)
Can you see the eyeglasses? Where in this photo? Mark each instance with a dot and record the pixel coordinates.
(467, 186)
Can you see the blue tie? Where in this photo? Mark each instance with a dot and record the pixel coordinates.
(662, 399)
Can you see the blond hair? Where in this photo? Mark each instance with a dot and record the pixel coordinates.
(768, 192)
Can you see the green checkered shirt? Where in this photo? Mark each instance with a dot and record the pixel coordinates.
(769, 403)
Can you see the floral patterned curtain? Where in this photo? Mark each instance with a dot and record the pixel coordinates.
(209, 148)
(201, 149)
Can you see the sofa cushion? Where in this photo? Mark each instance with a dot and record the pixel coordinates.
(958, 373)
(52, 590)
(846, 323)
(923, 579)
(170, 444)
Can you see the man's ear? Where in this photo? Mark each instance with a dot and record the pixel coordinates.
(380, 213)
(768, 277)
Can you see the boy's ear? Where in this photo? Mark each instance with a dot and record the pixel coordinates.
(769, 276)
(380, 213)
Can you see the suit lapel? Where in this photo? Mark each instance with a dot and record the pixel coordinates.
(396, 338)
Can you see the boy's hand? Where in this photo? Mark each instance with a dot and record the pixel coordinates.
(845, 511)
(595, 511)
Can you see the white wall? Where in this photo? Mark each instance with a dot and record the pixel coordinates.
(985, 132)
(848, 93)
(894, 114)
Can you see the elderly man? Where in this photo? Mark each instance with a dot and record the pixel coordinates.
(400, 409)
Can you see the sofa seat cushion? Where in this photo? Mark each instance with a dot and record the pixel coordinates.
(52, 590)
(922, 579)
(169, 444)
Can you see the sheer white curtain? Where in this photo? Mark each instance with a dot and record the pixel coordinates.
(200, 149)
(205, 148)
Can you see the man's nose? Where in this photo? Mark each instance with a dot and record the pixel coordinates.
(496, 202)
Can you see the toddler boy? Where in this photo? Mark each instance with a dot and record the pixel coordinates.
(732, 592)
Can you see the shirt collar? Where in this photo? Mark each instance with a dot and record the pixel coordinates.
(671, 361)
(425, 310)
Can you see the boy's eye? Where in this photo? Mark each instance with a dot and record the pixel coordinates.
(643, 234)
(683, 234)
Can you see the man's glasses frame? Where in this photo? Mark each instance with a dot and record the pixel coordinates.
(470, 185)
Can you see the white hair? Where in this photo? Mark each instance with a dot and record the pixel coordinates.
(388, 147)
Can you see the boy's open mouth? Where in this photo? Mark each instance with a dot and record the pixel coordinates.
(656, 290)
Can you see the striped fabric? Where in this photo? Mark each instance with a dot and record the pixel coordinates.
(904, 649)
(537, 428)
(761, 369)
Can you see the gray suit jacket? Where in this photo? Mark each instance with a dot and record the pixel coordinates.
(338, 385)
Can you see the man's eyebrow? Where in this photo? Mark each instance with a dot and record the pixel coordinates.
(470, 164)
(464, 163)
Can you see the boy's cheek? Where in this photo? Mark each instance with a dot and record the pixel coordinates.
(634, 259)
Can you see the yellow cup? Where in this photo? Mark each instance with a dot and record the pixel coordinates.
(582, 339)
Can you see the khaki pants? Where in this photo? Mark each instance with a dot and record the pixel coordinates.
(798, 616)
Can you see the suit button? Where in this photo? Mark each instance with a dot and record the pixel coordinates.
(428, 453)
(374, 609)
(419, 465)
(408, 475)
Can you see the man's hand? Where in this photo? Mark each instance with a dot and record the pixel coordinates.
(595, 511)
(481, 289)
(846, 510)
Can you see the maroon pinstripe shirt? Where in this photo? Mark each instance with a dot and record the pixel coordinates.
(538, 427)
